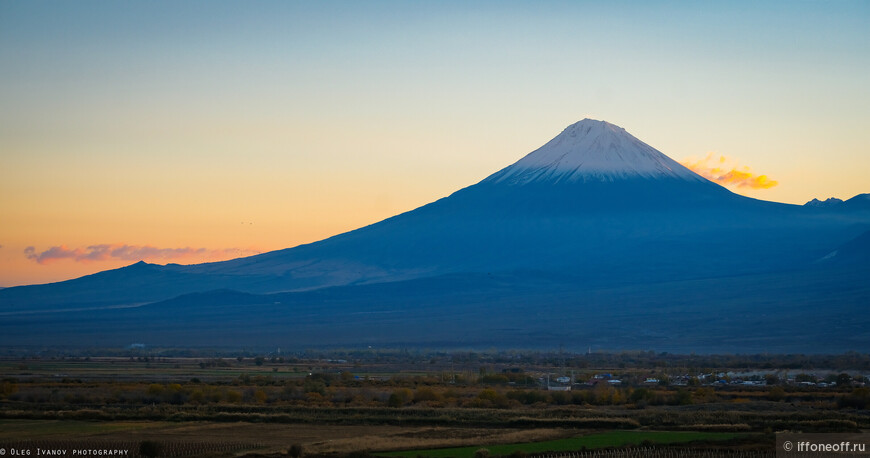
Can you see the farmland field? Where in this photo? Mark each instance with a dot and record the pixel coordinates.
(396, 403)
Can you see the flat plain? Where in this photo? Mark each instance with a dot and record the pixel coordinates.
(401, 403)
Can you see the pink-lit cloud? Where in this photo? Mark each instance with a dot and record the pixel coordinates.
(716, 169)
(123, 252)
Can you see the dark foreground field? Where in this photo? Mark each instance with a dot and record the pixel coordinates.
(396, 403)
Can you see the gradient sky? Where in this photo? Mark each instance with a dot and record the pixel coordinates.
(195, 131)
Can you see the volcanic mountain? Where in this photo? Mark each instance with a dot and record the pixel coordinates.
(591, 219)
(592, 199)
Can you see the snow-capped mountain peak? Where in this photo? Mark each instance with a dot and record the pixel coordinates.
(592, 150)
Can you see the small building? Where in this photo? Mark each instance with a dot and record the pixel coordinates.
(562, 383)
(559, 388)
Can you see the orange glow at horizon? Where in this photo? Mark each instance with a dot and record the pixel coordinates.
(124, 252)
(716, 170)
(20, 265)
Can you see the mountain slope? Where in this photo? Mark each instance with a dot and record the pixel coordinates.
(855, 252)
(744, 314)
(134, 284)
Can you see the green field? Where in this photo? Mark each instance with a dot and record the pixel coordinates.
(591, 441)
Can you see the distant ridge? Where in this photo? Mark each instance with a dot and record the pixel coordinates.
(829, 202)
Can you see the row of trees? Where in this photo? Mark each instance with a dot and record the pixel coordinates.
(597, 359)
(313, 391)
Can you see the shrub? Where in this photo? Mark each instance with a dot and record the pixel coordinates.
(859, 398)
(399, 397)
(426, 394)
(776, 394)
(492, 398)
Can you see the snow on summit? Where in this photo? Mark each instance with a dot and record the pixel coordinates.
(592, 150)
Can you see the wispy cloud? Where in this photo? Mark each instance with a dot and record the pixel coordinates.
(719, 168)
(106, 252)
